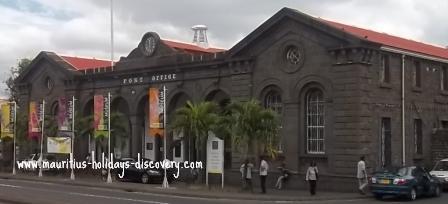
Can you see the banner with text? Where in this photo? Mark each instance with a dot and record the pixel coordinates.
(101, 114)
(34, 120)
(60, 145)
(7, 120)
(156, 111)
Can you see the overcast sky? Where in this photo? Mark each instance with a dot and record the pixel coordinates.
(82, 27)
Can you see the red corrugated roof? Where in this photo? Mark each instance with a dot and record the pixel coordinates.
(392, 41)
(191, 47)
(80, 63)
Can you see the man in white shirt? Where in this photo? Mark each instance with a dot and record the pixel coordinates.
(264, 167)
(362, 175)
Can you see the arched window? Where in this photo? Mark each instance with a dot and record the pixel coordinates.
(273, 100)
(315, 124)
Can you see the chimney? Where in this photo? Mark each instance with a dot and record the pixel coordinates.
(200, 36)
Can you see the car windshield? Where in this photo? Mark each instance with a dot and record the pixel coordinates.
(441, 166)
(402, 171)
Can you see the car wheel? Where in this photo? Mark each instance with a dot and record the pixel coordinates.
(413, 194)
(144, 178)
(437, 191)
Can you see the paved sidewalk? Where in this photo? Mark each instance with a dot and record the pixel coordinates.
(182, 189)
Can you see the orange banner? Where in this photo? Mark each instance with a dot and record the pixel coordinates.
(34, 121)
(156, 112)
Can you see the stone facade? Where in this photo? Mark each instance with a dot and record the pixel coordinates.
(344, 68)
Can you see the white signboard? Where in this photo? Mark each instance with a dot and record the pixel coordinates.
(61, 145)
(215, 157)
(215, 154)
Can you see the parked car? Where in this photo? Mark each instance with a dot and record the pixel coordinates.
(440, 171)
(411, 182)
(142, 175)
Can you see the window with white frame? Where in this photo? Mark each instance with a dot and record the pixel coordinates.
(315, 123)
(273, 100)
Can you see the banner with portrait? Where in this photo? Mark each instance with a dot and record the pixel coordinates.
(100, 115)
(65, 114)
(156, 111)
(60, 145)
(7, 120)
(34, 120)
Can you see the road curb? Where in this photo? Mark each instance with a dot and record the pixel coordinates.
(191, 194)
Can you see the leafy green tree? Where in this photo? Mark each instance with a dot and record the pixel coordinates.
(195, 120)
(14, 72)
(253, 125)
(118, 122)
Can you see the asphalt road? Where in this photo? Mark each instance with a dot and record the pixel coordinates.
(20, 191)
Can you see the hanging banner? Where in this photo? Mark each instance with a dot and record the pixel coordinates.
(60, 145)
(34, 120)
(7, 120)
(65, 115)
(156, 112)
(101, 109)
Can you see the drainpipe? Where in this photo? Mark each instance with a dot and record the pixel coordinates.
(403, 112)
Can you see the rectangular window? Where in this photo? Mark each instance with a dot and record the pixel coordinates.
(178, 149)
(384, 69)
(418, 136)
(417, 74)
(444, 124)
(444, 79)
(386, 142)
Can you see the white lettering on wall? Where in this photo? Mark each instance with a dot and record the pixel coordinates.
(154, 78)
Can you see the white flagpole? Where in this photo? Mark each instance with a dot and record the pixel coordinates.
(72, 175)
(42, 137)
(112, 35)
(109, 178)
(14, 141)
(165, 180)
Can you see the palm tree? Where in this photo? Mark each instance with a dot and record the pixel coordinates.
(195, 120)
(84, 126)
(251, 124)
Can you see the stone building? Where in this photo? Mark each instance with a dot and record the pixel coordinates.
(342, 92)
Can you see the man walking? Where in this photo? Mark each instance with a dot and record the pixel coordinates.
(264, 167)
(362, 175)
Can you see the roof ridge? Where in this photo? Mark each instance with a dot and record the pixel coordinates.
(384, 33)
(84, 57)
(192, 44)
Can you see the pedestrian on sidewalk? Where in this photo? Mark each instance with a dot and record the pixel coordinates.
(264, 167)
(246, 174)
(284, 175)
(362, 175)
(312, 176)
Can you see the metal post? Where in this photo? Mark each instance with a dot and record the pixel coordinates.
(109, 178)
(403, 129)
(72, 175)
(165, 180)
(14, 139)
(42, 138)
